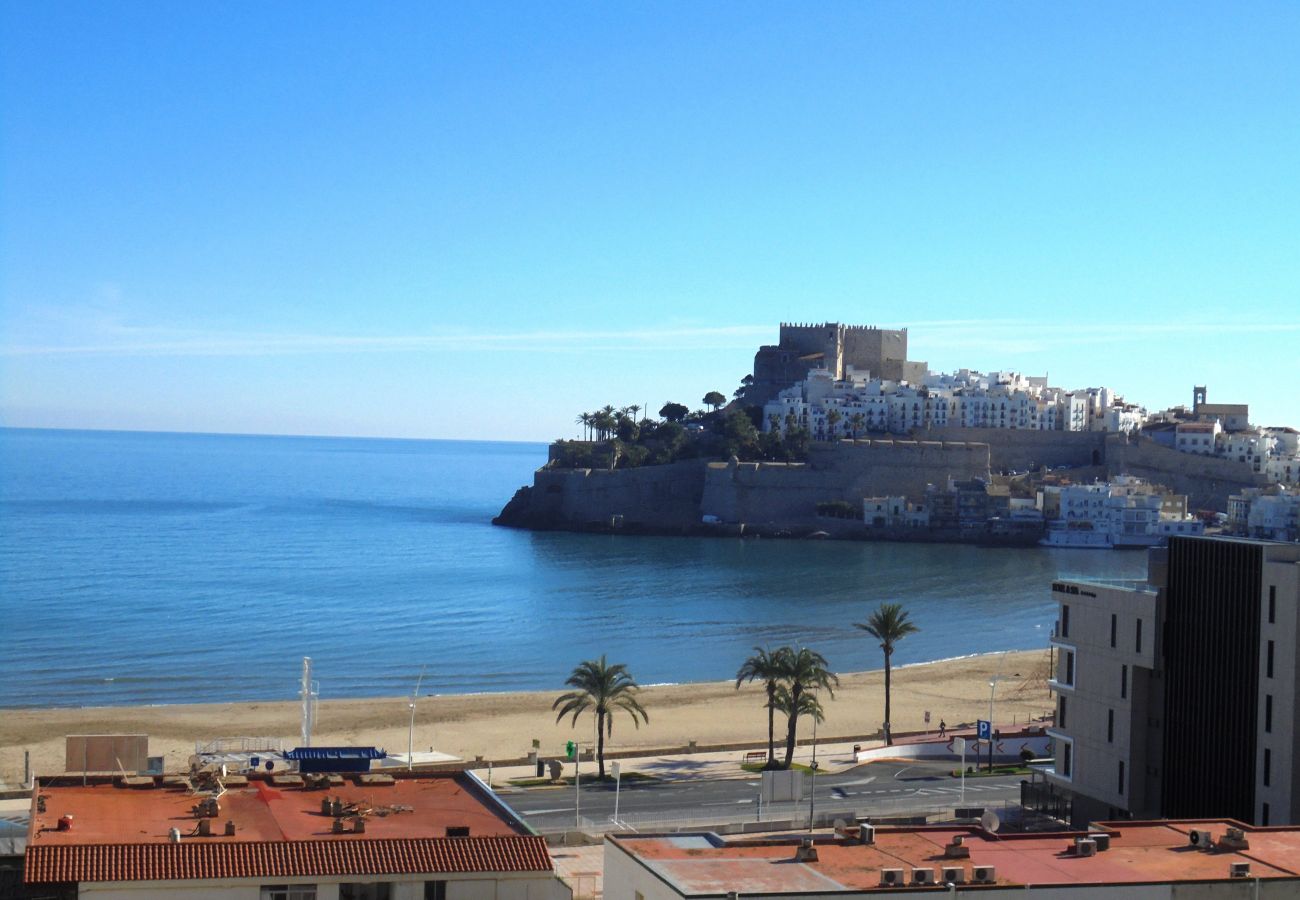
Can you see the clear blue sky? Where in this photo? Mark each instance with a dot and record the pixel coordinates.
(477, 220)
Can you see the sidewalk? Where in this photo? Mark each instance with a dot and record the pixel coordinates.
(713, 765)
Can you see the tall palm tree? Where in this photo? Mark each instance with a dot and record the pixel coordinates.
(769, 667)
(585, 421)
(889, 625)
(810, 707)
(604, 689)
(805, 671)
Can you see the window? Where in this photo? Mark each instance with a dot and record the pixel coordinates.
(1268, 713)
(1110, 726)
(1066, 753)
(1060, 716)
(1065, 620)
(1123, 682)
(1121, 778)
(288, 892)
(1268, 766)
(1272, 604)
(1138, 642)
(1069, 668)
(1114, 624)
(435, 890)
(359, 890)
(1268, 671)
(1263, 814)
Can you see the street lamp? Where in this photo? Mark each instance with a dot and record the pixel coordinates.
(410, 733)
(993, 686)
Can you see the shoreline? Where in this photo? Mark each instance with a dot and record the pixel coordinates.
(503, 725)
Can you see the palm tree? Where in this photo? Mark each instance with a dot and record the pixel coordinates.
(605, 689)
(832, 419)
(805, 670)
(768, 667)
(585, 421)
(810, 707)
(889, 625)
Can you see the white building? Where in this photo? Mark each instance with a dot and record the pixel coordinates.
(1124, 512)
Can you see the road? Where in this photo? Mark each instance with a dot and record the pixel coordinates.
(882, 789)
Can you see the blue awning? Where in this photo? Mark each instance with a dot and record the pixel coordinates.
(301, 753)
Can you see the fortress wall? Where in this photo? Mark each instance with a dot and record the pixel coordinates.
(654, 497)
(1011, 448)
(1207, 481)
(783, 495)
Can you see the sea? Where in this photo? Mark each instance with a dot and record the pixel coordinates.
(152, 568)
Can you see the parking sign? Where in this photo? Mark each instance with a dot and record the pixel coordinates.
(984, 730)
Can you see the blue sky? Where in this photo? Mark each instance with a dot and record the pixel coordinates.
(477, 220)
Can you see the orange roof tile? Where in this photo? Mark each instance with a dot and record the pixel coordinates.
(285, 859)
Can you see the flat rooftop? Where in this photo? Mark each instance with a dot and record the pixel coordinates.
(279, 828)
(1139, 852)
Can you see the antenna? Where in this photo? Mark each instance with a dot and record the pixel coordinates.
(410, 734)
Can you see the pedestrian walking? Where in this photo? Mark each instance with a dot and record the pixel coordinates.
(943, 728)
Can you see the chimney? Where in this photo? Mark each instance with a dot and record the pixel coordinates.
(807, 851)
(230, 828)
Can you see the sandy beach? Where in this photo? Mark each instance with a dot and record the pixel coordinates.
(503, 726)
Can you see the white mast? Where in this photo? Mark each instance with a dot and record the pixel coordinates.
(310, 693)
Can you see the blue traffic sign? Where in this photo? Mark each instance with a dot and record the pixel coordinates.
(984, 730)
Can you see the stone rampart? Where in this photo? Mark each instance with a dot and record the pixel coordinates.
(780, 495)
(1022, 449)
(1206, 480)
(651, 498)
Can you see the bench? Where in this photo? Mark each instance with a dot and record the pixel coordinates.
(754, 756)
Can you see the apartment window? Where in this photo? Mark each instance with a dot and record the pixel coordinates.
(1060, 716)
(1263, 814)
(435, 890)
(1067, 749)
(1138, 642)
(1268, 663)
(1114, 625)
(1121, 778)
(1123, 682)
(1272, 604)
(360, 890)
(1268, 766)
(1065, 620)
(288, 892)
(1268, 713)
(1069, 668)
(1110, 726)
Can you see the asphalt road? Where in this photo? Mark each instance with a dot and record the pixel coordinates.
(882, 789)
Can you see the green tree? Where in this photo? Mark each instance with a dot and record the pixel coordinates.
(856, 421)
(584, 420)
(714, 399)
(832, 419)
(673, 412)
(889, 625)
(810, 707)
(805, 671)
(740, 436)
(768, 667)
(604, 689)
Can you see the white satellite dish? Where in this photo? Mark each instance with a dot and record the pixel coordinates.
(990, 821)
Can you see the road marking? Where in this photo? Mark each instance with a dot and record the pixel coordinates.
(542, 812)
(858, 781)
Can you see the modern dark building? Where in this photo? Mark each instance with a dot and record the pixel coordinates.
(1177, 696)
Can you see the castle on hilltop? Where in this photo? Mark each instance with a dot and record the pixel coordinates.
(833, 347)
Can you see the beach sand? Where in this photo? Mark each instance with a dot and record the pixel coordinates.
(502, 726)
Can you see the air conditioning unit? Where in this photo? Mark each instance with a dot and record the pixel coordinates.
(1102, 840)
(891, 878)
(923, 876)
(1085, 847)
(954, 875)
(866, 834)
(1239, 870)
(1201, 839)
(983, 874)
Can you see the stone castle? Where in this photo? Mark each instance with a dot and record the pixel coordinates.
(833, 347)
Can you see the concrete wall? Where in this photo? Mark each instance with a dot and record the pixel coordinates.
(523, 886)
(775, 495)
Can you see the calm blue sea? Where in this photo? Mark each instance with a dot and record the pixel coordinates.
(170, 568)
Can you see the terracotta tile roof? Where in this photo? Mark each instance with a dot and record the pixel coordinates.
(284, 859)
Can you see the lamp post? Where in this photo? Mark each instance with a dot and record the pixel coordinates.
(410, 732)
(812, 794)
(993, 686)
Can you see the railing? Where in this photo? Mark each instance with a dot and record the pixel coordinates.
(239, 745)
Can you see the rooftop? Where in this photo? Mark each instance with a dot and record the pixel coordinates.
(119, 829)
(1139, 852)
